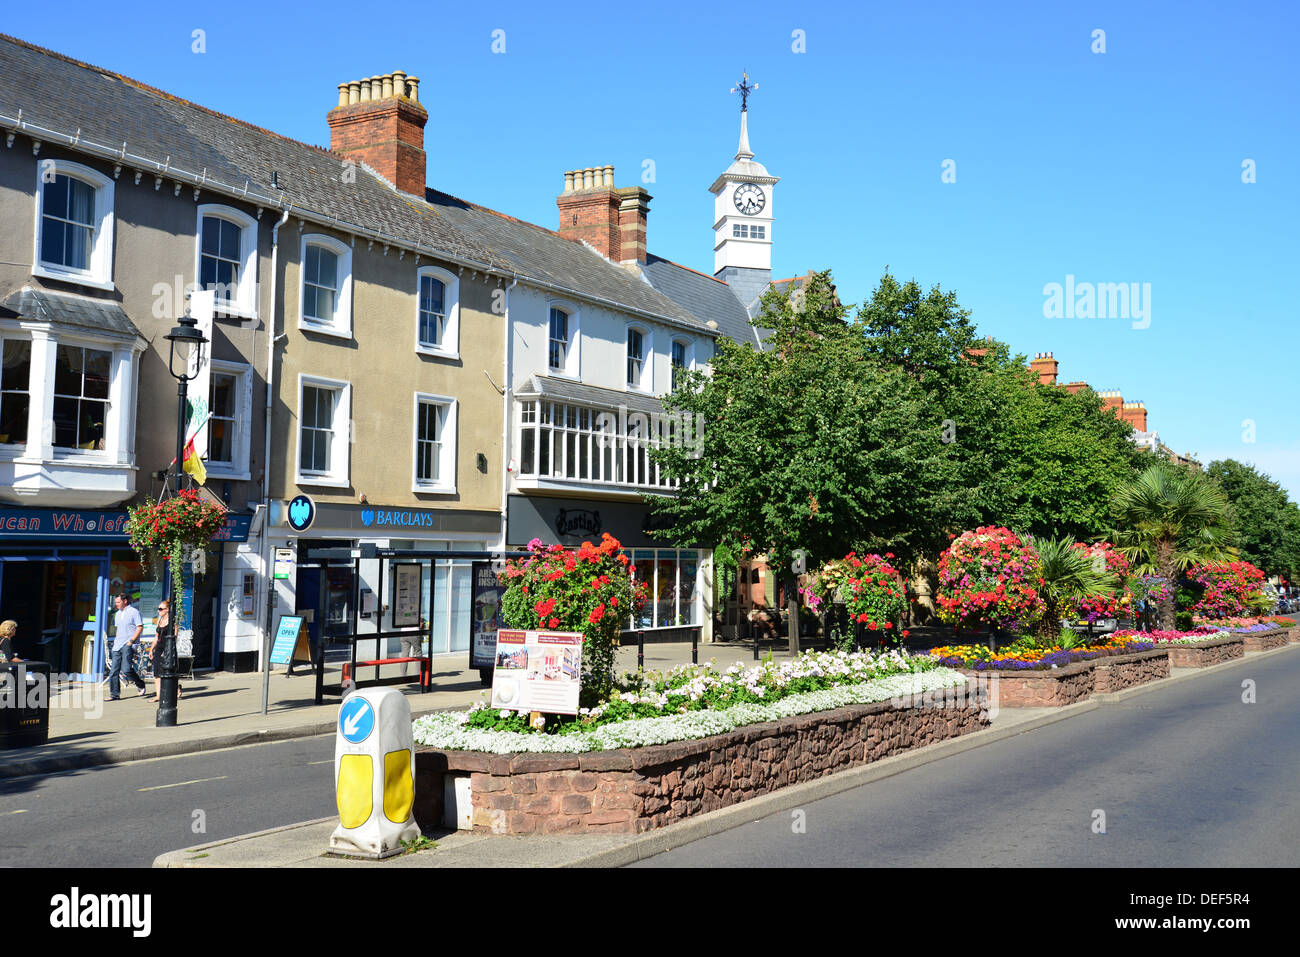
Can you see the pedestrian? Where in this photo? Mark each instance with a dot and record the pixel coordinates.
(164, 629)
(129, 628)
(7, 631)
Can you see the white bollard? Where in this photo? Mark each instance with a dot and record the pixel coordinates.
(374, 775)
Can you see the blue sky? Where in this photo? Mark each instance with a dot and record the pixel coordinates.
(1122, 166)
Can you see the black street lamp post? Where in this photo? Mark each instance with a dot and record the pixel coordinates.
(191, 340)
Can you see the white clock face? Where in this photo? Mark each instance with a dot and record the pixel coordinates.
(749, 199)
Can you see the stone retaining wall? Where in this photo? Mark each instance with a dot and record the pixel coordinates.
(1129, 671)
(1072, 683)
(635, 789)
(1203, 654)
(1264, 640)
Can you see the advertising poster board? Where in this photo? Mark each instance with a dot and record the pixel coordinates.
(537, 671)
(406, 595)
(487, 617)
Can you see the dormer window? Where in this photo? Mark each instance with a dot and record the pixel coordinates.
(74, 224)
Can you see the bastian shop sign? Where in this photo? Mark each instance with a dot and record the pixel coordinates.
(92, 525)
(570, 521)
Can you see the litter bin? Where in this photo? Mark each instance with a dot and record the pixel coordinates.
(24, 704)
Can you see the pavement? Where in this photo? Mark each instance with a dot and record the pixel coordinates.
(224, 709)
(305, 844)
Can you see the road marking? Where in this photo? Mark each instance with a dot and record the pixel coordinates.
(181, 784)
(310, 763)
(23, 811)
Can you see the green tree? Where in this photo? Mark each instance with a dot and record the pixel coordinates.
(1167, 520)
(1267, 522)
(815, 444)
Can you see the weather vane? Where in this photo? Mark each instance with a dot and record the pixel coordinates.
(745, 89)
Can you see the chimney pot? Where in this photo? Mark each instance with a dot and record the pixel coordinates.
(389, 140)
(568, 181)
(609, 177)
(414, 83)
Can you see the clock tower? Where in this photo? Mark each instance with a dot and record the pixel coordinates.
(742, 217)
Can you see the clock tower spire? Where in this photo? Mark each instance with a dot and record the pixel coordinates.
(742, 216)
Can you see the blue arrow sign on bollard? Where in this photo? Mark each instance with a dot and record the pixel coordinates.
(356, 720)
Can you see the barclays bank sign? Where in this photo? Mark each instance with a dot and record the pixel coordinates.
(329, 520)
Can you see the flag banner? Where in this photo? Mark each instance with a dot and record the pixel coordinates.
(202, 308)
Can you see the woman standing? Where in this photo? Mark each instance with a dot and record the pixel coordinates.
(163, 629)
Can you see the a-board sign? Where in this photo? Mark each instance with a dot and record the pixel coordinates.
(286, 642)
(537, 671)
(486, 616)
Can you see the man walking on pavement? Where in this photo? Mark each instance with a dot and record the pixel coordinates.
(129, 628)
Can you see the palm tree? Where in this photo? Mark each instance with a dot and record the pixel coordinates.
(1168, 519)
(1069, 576)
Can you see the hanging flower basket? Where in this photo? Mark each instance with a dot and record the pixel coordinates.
(167, 529)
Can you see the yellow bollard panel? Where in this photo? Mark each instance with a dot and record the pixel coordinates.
(374, 774)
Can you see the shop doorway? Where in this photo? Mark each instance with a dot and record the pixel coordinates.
(55, 605)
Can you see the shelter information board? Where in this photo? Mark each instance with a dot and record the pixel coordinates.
(406, 594)
(538, 671)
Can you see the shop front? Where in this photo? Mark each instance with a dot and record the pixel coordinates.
(339, 599)
(678, 578)
(59, 570)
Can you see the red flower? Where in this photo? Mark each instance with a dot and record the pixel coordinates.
(597, 614)
(544, 608)
(872, 626)
(555, 623)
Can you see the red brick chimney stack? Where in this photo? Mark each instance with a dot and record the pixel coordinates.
(1046, 368)
(379, 121)
(613, 221)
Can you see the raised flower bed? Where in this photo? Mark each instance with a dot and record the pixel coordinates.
(614, 771)
(1056, 678)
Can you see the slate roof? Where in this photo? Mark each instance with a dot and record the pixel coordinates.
(97, 314)
(543, 255)
(186, 142)
(704, 296)
(566, 390)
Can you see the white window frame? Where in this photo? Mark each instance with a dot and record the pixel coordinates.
(646, 383)
(244, 305)
(100, 273)
(690, 356)
(338, 476)
(573, 355)
(450, 348)
(18, 448)
(238, 468)
(447, 461)
(341, 327)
